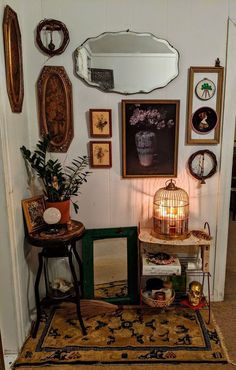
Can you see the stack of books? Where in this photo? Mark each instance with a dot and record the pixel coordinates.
(150, 267)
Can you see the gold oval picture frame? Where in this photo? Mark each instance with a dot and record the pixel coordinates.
(13, 59)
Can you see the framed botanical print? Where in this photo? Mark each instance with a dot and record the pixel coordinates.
(100, 123)
(204, 105)
(150, 138)
(100, 153)
(33, 209)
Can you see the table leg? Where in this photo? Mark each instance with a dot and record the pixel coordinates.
(77, 257)
(37, 297)
(77, 295)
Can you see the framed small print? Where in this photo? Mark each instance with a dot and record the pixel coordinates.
(204, 105)
(100, 152)
(100, 123)
(204, 120)
(33, 209)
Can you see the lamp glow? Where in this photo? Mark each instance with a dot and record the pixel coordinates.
(171, 212)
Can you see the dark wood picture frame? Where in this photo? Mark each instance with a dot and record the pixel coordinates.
(132, 261)
(13, 59)
(100, 122)
(100, 154)
(204, 114)
(52, 25)
(33, 209)
(150, 138)
(55, 107)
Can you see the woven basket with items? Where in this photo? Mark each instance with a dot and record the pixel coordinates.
(158, 293)
(147, 298)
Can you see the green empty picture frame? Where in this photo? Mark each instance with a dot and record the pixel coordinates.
(110, 265)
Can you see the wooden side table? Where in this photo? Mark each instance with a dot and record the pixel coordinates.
(57, 245)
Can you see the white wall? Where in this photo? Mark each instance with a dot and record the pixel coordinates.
(14, 318)
(197, 29)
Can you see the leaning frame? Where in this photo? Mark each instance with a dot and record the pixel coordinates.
(92, 235)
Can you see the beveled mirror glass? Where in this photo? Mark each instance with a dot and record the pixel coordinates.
(110, 282)
(126, 62)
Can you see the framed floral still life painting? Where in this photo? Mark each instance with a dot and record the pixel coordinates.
(204, 105)
(100, 153)
(150, 138)
(33, 209)
(100, 123)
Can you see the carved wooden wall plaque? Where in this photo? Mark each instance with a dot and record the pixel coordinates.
(13, 59)
(55, 107)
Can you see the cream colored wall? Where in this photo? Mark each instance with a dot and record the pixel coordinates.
(198, 30)
(14, 319)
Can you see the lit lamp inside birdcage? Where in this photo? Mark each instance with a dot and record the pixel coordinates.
(170, 212)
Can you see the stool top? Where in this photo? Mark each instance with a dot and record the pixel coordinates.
(44, 238)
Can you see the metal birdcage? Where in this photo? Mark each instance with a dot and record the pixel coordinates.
(170, 212)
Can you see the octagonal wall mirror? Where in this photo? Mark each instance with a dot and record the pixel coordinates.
(126, 62)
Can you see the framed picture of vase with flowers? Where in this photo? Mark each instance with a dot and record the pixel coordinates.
(150, 138)
(100, 123)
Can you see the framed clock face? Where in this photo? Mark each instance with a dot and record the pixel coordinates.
(202, 165)
(205, 89)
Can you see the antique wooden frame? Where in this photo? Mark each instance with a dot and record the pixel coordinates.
(161, 131)
(13, 59)
(100, 122)
(132, 261)
(52, 25)
(55, 107)
(204, 109)
(38, 204)
(100, 154)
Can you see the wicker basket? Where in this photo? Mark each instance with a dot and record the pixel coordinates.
(157, 303)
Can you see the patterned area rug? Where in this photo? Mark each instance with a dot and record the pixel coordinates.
(112, 289)
(132, 335)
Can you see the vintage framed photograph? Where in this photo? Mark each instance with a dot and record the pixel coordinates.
(103, 77)
(100, 122)
(33, 209)
(13, 59)
(100, 153)
(150, 138)
(204, 105)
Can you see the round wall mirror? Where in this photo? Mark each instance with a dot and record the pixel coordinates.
(126, 62)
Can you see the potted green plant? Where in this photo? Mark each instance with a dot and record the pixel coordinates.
(59, 183)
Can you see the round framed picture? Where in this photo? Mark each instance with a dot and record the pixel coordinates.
(204, 120)
(205, 89)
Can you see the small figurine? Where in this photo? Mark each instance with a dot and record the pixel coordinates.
(195, 293)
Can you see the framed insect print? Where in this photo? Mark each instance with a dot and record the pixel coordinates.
(100, 153)
(204, 105)
(33, 209)
(100, 123)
